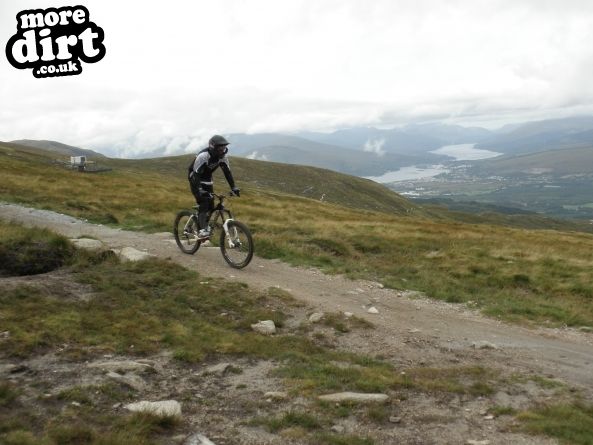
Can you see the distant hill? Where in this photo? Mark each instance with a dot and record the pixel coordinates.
(413, 139)
(297, 150)
(58, 147)
(542, 136)
(568, 161)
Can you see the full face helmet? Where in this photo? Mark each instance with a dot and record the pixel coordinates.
(218, 145)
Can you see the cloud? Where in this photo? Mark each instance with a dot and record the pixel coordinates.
(254, 155)
(175, 75)
(375, 146)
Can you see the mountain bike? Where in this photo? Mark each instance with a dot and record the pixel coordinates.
(235, 241)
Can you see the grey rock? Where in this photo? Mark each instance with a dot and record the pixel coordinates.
(121, 366)
(337, 429)
(220, 369)
(266, 327)
(131, 254)
(198, 439)
(348, 314)
(132, 380)
(87, 243)
(373, 310)
(316, 317)
(354, 397)
(162, 408)
(478, 442)
(394, 419)
(8, 368)
(276, 395)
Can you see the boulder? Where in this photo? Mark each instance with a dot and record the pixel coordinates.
(266, 327)
(198, 439)
(87, 243)
(316, 317)
(164, 408)
(131, 254)
(276, 395)
(220, 369)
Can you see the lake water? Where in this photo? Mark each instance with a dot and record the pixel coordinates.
(409, 173)
(460, 152)
(465, 152)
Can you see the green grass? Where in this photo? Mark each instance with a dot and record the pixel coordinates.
(569, 423)
(290, 419)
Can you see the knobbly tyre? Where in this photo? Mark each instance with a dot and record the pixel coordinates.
(235, 242)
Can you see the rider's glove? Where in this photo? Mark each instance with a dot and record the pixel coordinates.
(236, 192)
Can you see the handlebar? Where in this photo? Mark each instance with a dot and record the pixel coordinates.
(222, 196)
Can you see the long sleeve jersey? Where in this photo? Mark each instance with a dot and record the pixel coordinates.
(205, 164)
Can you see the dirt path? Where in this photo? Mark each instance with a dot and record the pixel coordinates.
(409, 330)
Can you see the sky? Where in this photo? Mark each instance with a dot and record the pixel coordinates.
(177, 72)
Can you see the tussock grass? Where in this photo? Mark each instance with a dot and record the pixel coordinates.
(569, 423)
(30, 252)
(288, 420)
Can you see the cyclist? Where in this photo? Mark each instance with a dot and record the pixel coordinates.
(200, 178)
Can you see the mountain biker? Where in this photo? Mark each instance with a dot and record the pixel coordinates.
(200, 178)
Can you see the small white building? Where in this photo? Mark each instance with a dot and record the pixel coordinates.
(78, 161)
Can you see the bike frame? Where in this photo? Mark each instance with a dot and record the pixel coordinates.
(219, 212)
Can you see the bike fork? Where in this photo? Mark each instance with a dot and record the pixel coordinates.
(232, 234)
(186, 228)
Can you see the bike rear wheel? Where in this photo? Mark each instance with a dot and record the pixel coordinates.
(236, 244)
(185, 230)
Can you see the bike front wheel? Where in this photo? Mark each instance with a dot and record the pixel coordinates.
(185, 230)
(236, 244)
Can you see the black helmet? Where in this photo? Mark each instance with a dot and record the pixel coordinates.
(217, 140)
(217, 146)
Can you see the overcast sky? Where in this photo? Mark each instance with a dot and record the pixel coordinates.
(177, 71)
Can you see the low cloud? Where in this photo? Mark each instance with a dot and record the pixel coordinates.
(254, 155)
(375, 146)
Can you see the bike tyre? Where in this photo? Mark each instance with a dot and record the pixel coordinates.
(190, 249)
(223, 247)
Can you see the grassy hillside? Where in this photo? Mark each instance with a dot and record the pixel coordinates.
(543, 276)
(309, 182)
